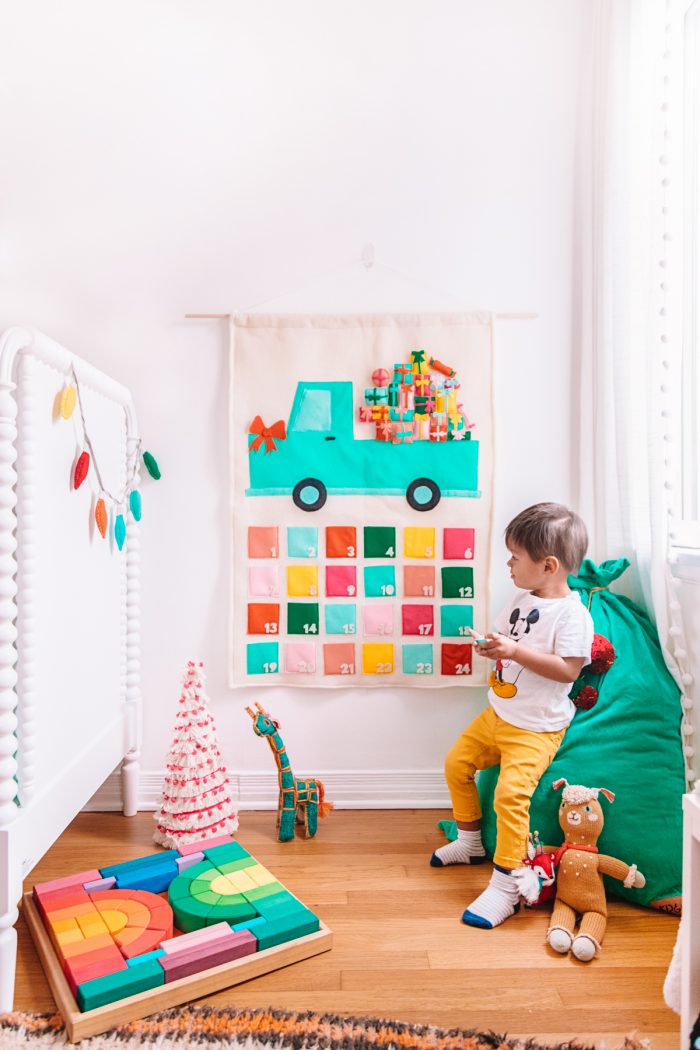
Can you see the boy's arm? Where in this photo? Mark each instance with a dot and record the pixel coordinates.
(564, 669)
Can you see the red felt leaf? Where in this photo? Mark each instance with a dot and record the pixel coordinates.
(81, 469)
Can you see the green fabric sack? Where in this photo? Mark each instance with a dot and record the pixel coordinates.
(630, 743)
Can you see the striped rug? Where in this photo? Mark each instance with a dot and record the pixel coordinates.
(263, 1030)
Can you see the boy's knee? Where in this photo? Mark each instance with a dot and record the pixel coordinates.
(456, 769)
(512, 790)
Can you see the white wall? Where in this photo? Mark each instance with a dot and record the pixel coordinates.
(169, 157)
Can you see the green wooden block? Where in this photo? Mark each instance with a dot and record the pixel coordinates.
(265, 905)
(227, 912)
(227, 851)
(113, 986)
(198, 870)
(190, 915)
(258, 892)
(237, 865)
(178, 890)
(207, 897)
(282, 909)
(287, 928)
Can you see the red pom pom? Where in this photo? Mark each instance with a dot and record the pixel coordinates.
(587, 698)
(602, 655)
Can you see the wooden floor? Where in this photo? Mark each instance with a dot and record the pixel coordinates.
(400, 950)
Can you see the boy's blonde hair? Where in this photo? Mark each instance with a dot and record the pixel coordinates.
(550, 529)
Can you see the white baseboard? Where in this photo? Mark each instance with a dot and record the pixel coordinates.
(347, 789)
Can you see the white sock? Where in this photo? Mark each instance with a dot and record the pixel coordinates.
(467, 848)
(496, 904)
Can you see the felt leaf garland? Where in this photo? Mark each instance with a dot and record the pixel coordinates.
(120, 530)
(151, 465)
(101, 517)
(135, 504)
(67, 401)
(81, 469)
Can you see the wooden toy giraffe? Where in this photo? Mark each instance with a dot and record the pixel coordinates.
(298, 799)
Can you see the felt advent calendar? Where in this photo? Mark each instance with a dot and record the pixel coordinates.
(361, 499)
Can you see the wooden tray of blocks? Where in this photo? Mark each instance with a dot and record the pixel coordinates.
(134, 938)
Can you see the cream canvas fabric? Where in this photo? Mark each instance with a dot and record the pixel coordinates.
(367, 590)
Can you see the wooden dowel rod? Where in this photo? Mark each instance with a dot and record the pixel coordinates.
(499, 317)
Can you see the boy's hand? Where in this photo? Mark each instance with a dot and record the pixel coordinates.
(498, 647)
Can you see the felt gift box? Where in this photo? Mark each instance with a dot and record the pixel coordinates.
(398, 415)
(402, 374)
(438, 427)
(455, 421)
(406, 393)
(393, 391)
(422, 385)
(376, 395)
(380, 412)
(440, 400)
(365, 413)
(385, 430)
(421, 427)
(419, 406)
(403, 434)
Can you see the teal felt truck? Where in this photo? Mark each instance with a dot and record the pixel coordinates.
(320, 456)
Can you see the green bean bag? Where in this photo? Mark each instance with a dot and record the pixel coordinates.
(630, 743)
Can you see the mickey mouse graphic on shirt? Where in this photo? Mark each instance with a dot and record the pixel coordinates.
(519, 627)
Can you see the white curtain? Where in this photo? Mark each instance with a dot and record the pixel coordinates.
(630, 350)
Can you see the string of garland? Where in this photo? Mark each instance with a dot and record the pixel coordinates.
(69, 397)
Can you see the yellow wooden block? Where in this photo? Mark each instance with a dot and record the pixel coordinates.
(62, 925)
(113, 920)
(377, 658)
(91, 925)
(240, 881)
(222, 885)
(70, 936)
(261, 876)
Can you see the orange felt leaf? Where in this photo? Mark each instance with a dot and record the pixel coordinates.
(101, 517)
(81, 469)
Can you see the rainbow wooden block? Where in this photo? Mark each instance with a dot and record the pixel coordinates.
(143, 935)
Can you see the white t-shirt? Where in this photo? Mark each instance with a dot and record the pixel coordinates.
(561, 626)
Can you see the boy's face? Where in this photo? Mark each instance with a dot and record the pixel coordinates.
(526, 574)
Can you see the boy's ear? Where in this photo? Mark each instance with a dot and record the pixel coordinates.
(552, 564)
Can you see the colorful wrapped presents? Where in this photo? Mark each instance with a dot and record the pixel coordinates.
(452, 403)
(403, 434)
(366, 413)
(406, 396)
(419, 405)
(422, 385)
(438, 427)
(393, 390)
(399, 415)
(440, 401)
(438, 366)
(430, 405)
(376, 395)
(421, 426)
(380, 412)
(385, 430)
(402, 374)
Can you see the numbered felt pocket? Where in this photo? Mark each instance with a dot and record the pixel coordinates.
(341, 541)
(417, 659)
(377, 658)
(341, 619)
(419, 581)
(457, 581)
(339, 658)
(263, 581)
(418, 542)
(300, 658)
(263, 618)
(378, 619)
(456, 659)
(341, 581)
(380, 541)
(262, 658)
(458, 544)
(380, 581)
(417, 619)
(455, 620)
(302, 541)
(302, 618)
(302, 581)
(263, 541)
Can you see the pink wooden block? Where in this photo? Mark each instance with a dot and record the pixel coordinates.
(100, 884)
(226, 950)
(196, 847)
(174, 945)
(69, 880)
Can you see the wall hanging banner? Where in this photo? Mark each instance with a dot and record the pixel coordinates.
(361, 499)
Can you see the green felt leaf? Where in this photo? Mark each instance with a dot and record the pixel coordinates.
(151, 465)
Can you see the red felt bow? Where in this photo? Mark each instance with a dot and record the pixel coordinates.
(267, 434)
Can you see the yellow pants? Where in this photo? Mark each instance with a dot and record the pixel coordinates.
(523, 756)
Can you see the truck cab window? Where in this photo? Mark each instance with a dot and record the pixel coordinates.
(314, 411)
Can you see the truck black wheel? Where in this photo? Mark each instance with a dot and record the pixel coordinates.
(423, 494)
(310, 494)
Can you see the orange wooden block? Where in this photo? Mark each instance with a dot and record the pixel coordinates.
(92, 924)
(68, 937)
(161, 918)
(72, 912)
(89, 944)
(127, 936)
(147, 942)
